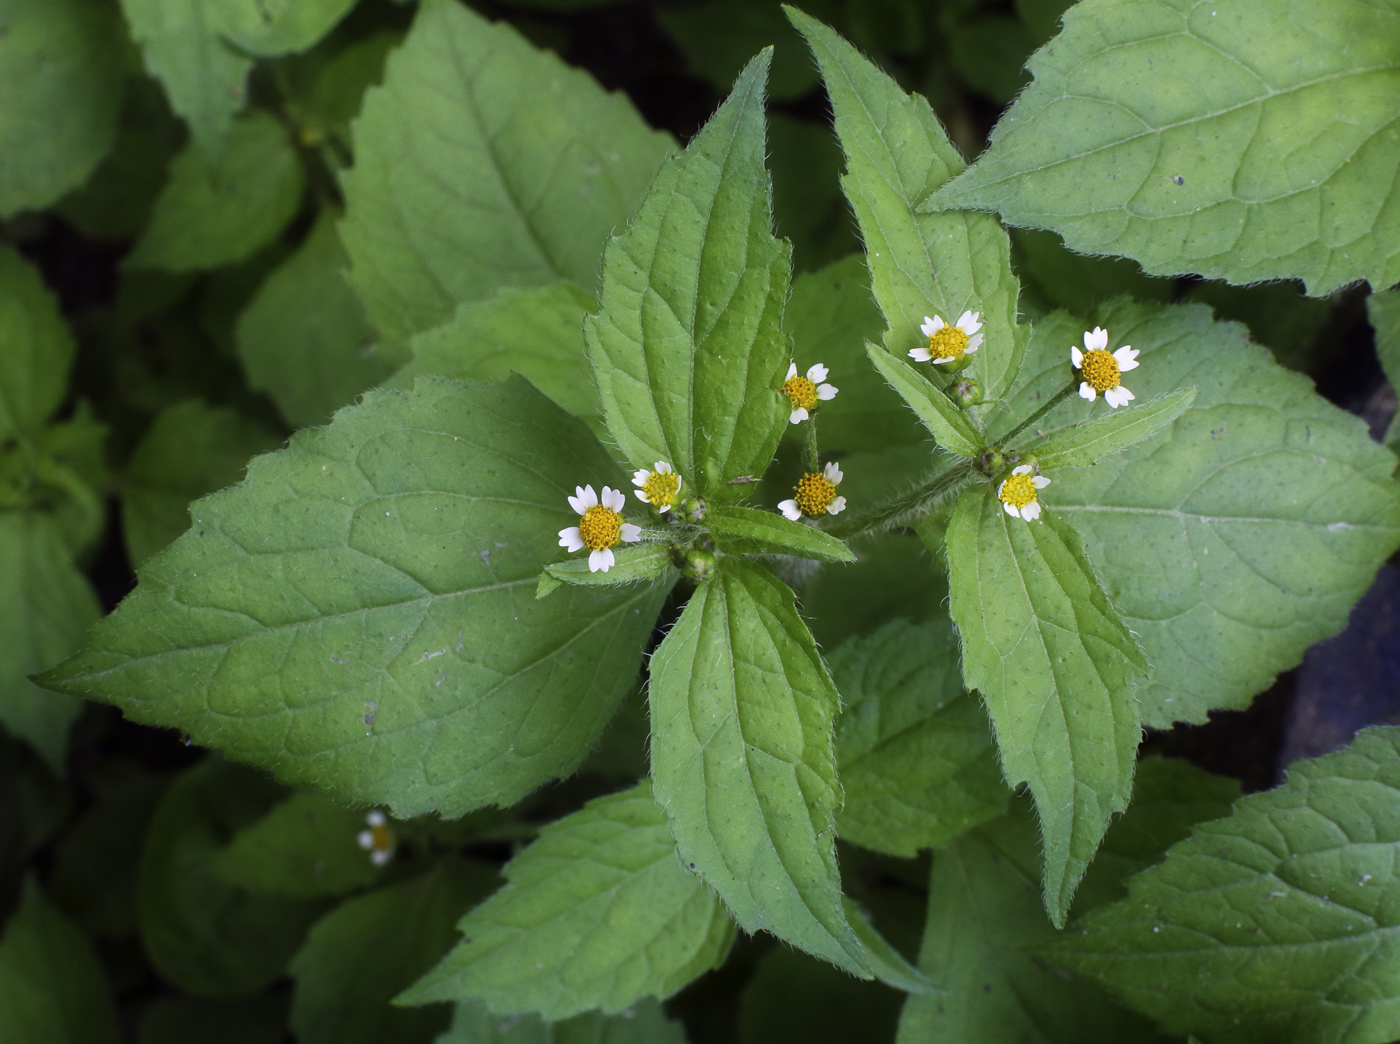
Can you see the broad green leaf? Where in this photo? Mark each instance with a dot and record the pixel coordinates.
(748, 530)
(1383, 309)
(369, 948)
(359, 614)
(481, 163)
(267, 28)
(792, 999)
(1240, 141)
(645, 562)
(916, 756)
(46, 607)
(1056, 666)
(984, 925)
(537, 333)
(204, 77)
(596, 913)
(202, 934)
(38, 349)
(646, 1023)
(52, 987)
(886, 962)
(305, 847)
(1237, 537)
(920, 264)
(239, 1020)
(1274, 924)
(190, 449)
(305, 339)
(687, 349)
(742, 709)
(1088, 442)
(215, 212)
(947, 422)
(59, 97)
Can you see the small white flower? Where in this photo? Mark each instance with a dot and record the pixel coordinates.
(658, 487)
(1017, 493)
(815, 495)
(600, 526)
(946, 343)
(806, 392)
(1102, 372)
(378, 840)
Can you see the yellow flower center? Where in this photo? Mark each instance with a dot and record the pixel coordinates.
(661, 487)
(599, 528)
(1101, 370)
(380, 840)
(815, 492)
(949, 342)
(1018, 491)
(801, 391)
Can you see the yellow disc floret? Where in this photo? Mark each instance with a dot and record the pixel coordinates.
(949, 342)
(661, 487)
(599, 528)
(802, 391)
(1018, 491)
(814, 495)
(1101, 370)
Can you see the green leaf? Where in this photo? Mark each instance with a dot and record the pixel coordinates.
(1383, 310)
(359, 614)
(305, 339)
(947, 422)
(240, 1020)
(1089, 441)
(1237, 537)
(1054, 277)
(305, 847)
(324, 88)
(46, 607)
(886, 962)
(1245, 143)
(190, 449)
(1273, 924)
(631, 564)
(38, 347)
(894, 576)
(687, 348)
(744, 530)
(369, 948)
(742, 761)
(59, 98)
(596, 913)
(215, 212)
(267, 28)
(719, 37)
(984, 926)
(204, 77)
(915, 752)
(202, 934)
(920, 264)
(52, 987)
(537, 333)
(646, 1023)
(1055, 665)
(482, 163)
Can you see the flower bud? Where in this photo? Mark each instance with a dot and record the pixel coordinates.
(699, 565)
(966, 392)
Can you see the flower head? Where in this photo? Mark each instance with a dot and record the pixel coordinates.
(947, 344)
(815, 495)
(806, 392)
(1101, 371)
(1017, 492)
(658, 487)
(378, 840)
(600, 526)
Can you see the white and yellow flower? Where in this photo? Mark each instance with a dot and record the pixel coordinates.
(600, 526)
(378, 840)
(806, 392)
(949, 343)
(815, 495)
(658, 487)
(1102, 372)
(1017, 492)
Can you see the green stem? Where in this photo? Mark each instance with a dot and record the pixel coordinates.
(813, 458)
(906, 507)
(1058, 398)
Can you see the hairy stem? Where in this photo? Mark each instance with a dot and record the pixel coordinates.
(1059, 397)
(906, 507)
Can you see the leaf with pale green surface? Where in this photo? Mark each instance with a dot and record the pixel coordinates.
(630, 564)
(742, 760)
(52, 987)
(38, 347)
(916, 755)
(645, 1023)
(920, 264)
(1274, 924)
(1237, 537)
(947, 422)
(267, 28)
(1243, 142)
(368, 948)
(481, 163)
(687, 348)
(334, 618)
(304, 339)
(597, 913)
(59, 98)
(888, 964)
(215, 212)
(1089, 441)
(747, 530)
(1056, 666)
